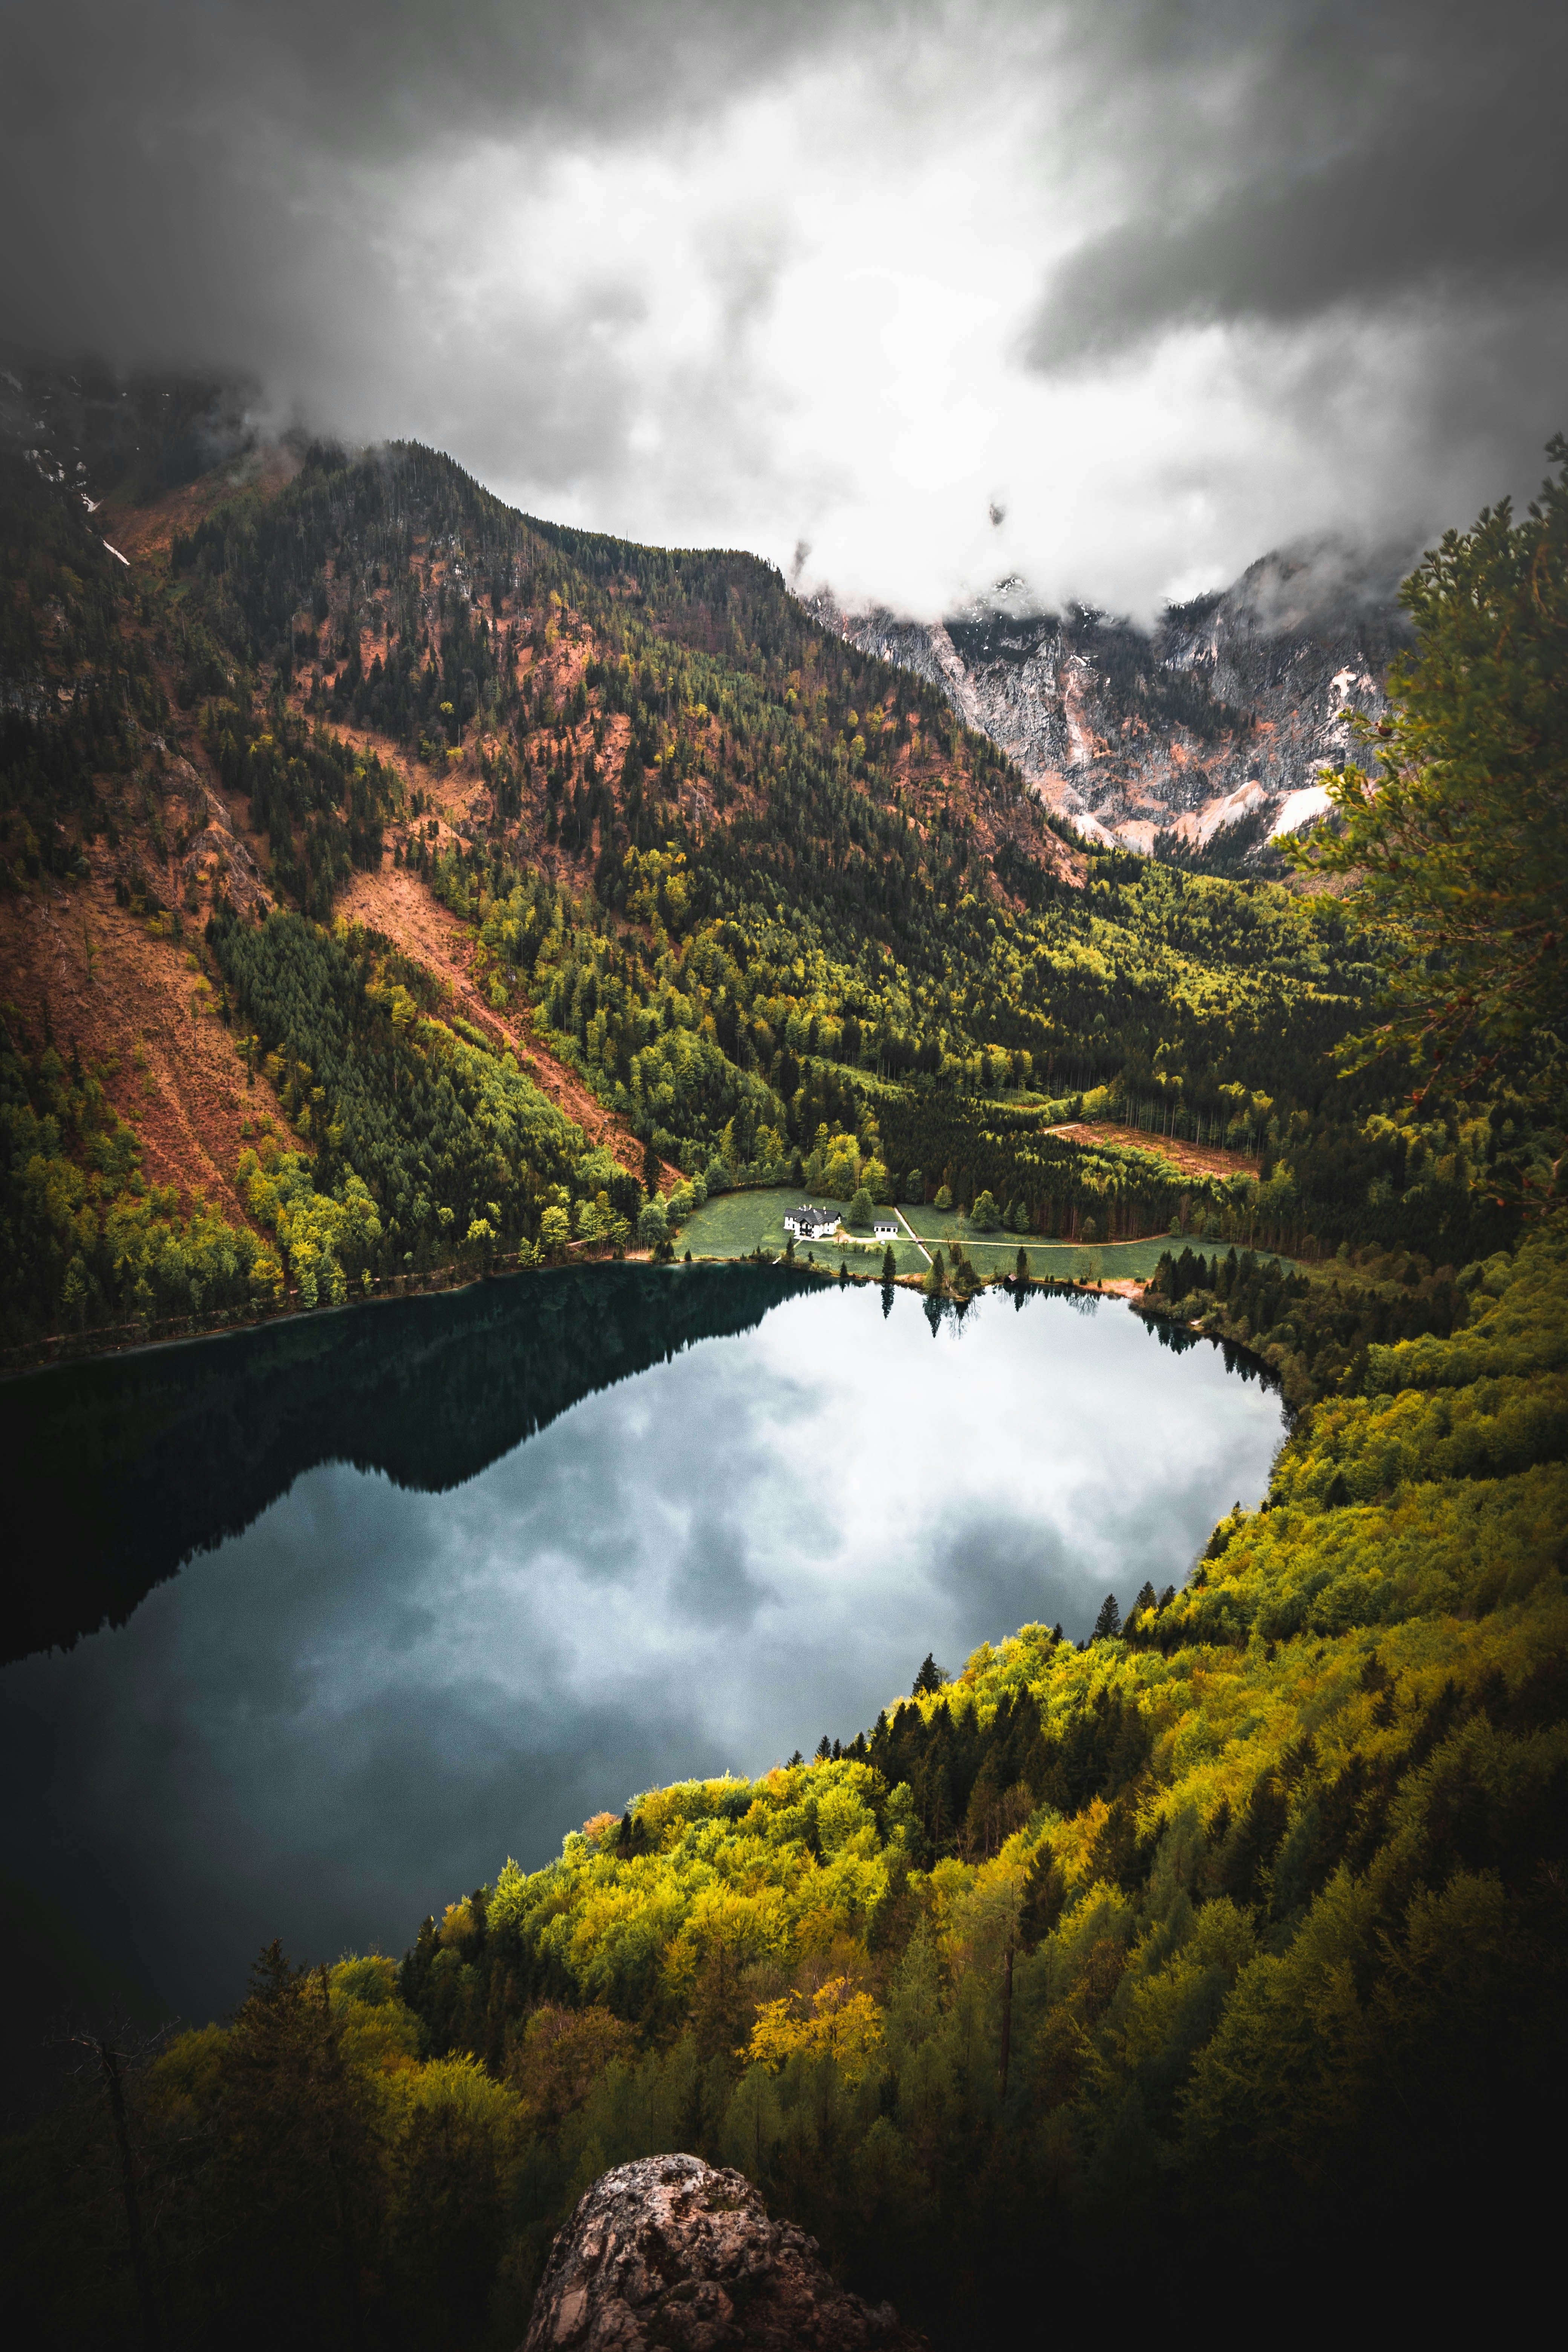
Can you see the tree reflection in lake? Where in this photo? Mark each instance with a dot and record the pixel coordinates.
(479, 1566)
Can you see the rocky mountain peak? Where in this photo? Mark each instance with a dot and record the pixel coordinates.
(1205, 736)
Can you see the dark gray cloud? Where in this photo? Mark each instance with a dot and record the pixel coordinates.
(1294, 160)
(178, 176)
(1110, 298)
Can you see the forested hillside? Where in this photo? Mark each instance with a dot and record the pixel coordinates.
(1244, 1921)
(732, 901)
(513, 889)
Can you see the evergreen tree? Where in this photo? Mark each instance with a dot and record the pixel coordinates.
(653, 1223)
(931, 1676)
(1460, 843)
(1108, 1624)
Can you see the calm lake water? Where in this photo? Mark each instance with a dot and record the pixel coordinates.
(399, 1593)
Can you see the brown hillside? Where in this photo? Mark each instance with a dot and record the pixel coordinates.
(144, 1004)
(1191, 1159)
(130, 1003)
(396, 902)
(141, 531)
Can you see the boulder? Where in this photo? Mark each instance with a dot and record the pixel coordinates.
(670, 2253)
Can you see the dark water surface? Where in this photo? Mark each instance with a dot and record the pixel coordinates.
(396, 1593)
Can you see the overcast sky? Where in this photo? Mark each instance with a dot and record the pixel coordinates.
(1161, 286)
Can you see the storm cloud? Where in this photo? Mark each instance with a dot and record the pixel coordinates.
(1112, 298)
(1317, 158)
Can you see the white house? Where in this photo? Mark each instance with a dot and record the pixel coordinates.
(886, 1229)
(811, 1224)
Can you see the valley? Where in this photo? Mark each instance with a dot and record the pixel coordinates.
(400, 893)
(739, 901)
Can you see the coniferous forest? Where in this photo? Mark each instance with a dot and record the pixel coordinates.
(1234, 1931)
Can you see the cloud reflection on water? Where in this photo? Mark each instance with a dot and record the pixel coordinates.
(359, 1706)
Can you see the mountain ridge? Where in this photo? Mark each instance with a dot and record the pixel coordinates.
(354, 818)
(1204, 733)
(1248, 1911)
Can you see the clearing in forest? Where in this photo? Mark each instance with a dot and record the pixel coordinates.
(1191, 1159)
(732, 1224)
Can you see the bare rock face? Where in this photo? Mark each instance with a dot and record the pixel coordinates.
(1223, 715)
(669, 2252)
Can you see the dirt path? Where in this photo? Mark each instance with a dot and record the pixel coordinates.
(1191, 1159)
(396, 902)
(912, 1234)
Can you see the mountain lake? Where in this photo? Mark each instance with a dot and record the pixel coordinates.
(314, 1626)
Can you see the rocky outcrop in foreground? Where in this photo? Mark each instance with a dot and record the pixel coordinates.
(669, 2252)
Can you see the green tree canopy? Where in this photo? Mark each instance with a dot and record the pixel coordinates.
(1458, 842)
(653, 1223)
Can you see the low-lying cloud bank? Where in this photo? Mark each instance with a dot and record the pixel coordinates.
(1108, 300)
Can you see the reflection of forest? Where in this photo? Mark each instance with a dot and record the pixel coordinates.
(127, 1467)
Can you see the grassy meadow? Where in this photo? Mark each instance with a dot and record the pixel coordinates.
(736, 1223)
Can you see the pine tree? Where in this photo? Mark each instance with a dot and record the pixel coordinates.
(1459, 847)
(931, 1676)
(1108, 1624)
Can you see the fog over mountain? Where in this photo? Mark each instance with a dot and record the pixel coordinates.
(1204, 736)
(1113, 300)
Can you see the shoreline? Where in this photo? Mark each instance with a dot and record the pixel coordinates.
(117, 1343)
